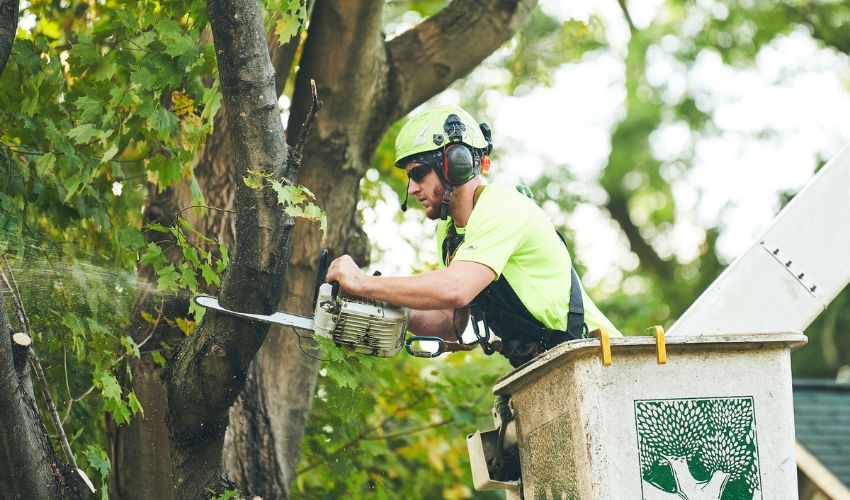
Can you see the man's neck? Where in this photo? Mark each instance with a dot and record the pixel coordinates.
(462, 202)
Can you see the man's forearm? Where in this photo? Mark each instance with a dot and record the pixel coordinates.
(439, 323)
(450, 288)
(434, 290)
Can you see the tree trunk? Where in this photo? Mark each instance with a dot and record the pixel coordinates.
(28, 466)
(140, 452)
(692, 489)
(207, 372)
(8, 29)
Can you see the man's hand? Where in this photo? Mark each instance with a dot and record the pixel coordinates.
(350, 277)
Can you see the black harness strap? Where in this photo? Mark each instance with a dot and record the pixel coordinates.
(498, 306)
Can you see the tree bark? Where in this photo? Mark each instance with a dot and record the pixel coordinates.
(140, 452)
(28, 466)
(8, 28)
(207, 372)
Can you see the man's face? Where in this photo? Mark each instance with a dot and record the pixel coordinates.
(426, 187)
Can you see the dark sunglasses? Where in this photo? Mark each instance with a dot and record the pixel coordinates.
(416, 174)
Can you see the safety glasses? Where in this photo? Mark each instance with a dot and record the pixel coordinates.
(416, 174)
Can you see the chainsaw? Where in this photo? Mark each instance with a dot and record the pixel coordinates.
(362, 325)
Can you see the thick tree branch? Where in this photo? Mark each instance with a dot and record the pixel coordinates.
(428, 58)
(349, 31)
(207, 372)
(618, 207)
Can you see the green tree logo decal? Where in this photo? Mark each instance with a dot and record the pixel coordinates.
(698, 448)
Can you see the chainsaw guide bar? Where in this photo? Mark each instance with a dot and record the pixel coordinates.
(278, 318)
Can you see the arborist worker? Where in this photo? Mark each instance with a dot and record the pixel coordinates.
(501, 259)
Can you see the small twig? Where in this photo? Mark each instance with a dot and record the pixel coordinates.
(408, 432)
(51, 408)
(16, 297)
(203, 206)
(308, 122)
(365, 437)
(627, 15)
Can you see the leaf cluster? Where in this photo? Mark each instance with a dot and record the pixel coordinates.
(390, 427)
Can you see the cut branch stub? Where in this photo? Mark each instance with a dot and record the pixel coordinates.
(21, 339)
(21, 343)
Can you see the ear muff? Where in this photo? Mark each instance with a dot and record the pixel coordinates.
(458, 164)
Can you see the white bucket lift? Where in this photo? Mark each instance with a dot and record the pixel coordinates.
(706, 414)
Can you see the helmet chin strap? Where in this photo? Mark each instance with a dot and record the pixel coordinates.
(447, 197)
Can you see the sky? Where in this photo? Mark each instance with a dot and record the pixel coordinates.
(797, 89)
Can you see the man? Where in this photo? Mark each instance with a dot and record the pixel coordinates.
(500, 255)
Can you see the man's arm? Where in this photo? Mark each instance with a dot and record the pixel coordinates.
(451, 288)
(439, 323)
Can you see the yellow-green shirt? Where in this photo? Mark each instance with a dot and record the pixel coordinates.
(511, 235)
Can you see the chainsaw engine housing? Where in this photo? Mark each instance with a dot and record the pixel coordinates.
(362, 325)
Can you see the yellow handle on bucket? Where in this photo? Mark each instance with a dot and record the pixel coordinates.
(660, 346)
(605, 342)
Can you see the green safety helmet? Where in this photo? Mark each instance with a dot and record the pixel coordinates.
(427, 132)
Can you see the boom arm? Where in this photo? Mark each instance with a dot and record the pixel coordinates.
(792, 273)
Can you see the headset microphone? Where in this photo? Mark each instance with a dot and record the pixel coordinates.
(406, 195)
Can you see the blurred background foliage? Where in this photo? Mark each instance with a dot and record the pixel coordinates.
(101, 101)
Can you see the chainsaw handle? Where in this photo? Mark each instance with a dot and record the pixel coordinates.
(324, 262)
(424, 354)
(334, 289)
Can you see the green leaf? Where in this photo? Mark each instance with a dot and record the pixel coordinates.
(153, 226)
(157, 358)
(130, 346)
(187, 278)
(168, 170)
(85, 51)
(294, 210)
(196, 311)
(135, 405)
(109, 154)
(83, 133)
(45, 164)
(313, 212)
(191, 256)
(89, 109)
(71, 184)
(106, 70)
(290, 21)
(153, 255)
(212, 102)
(209, 275)
(98, 459)
(131, 238)
(108, 385)
(163, 121)
(344, 378)
(252, 182)
(167, 279)
(288, 195)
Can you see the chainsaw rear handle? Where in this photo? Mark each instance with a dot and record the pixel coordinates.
(421, 353)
